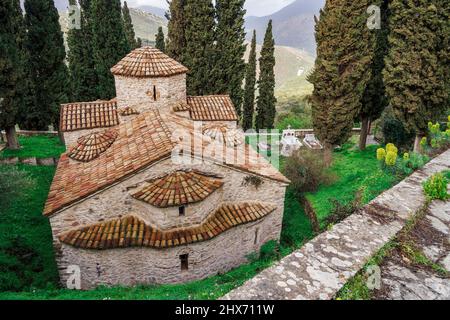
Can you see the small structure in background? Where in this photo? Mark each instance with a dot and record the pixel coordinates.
(289, 142)
(311, 142)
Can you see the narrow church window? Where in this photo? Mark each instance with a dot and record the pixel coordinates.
(184, 259)
(155, 97)
(256, 235)
(182, 211)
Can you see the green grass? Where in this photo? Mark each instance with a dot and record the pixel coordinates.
(25, 218)
(355, 170)
(37, 146)
(26, 250)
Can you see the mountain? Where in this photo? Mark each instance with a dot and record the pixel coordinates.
(293, 26)
(292, 67)
(145, 24)
(154, 10)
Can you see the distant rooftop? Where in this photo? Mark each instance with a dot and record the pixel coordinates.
(148, 62)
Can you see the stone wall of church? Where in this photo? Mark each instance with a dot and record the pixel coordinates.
(133, 266)
(140, 93)
(116, 202)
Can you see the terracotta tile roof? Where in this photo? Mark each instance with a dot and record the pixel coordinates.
(128, 111)
(91, 146)
(148, 62)
(181, 106)
(88, 115)
(212, 108)
(178, 188)
(141, 142)
(222, 134)
(131, 231)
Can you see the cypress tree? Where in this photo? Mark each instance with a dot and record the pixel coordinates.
(128, 27)
(46, 55)
(230, 48)
(160, 42)
(374, 99)
(176, 44)
(266, 101)
(414, 76)
(80, 56)
(109, 43)
(11, 68)
(249, 91)
(345, 49)
(199, 53)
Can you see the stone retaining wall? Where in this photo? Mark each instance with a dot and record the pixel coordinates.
(31, 161)
(324, 265)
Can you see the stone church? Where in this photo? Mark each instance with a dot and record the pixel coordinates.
(156, 186)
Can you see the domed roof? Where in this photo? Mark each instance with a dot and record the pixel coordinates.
(222, 134)
(91, 146)
(148, 62)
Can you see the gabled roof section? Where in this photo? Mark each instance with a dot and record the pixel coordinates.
(178, 189)
(88, 115)
(131, 231)
(91, 146)
(141, 142)
(148, 62)
(212, 108)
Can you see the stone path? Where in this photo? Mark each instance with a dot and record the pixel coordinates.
(324, 265)
(404, 280)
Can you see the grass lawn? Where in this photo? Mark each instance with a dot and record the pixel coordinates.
(37, 146)
(355, 170)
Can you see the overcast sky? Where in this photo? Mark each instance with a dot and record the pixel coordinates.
(254, 7)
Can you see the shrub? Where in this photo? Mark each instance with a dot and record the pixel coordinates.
(381, 154)
(412, 162)
(307, 171)
(394, 131)
(12, 183)
(390, 147)
(391, 158)
(341, 211)
(436, 187)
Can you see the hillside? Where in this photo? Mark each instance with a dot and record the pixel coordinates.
(145, 24)
(293, 26)
(292, 67)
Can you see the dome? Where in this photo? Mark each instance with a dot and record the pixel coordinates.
(148, 62)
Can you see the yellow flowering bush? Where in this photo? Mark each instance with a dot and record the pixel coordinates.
(381, 154)
(390, 147)
(406, 156)
(391, 158)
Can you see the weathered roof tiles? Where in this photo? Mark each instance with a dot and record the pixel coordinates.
(178, 188)
(91, 146)
(148, 62)
(131, 231)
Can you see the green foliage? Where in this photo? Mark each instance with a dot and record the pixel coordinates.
(436, 187)
(342, 69)
(37, 146)
(176, 43)
(199, 52)
(229, 65)
(341, 210)
(307, 171)
(46, 64)
(128, 27)
(250, 87)
(266, 111)
(394, 131)
(356, 170)
(12, 184)
(11, 62)
(83, 77)
(417, 93)
(26, 249)
(297, 114)
(110, 43)
(160, 42)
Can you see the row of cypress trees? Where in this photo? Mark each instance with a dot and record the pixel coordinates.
(359, 71)
(210, 41)
(35, 78)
